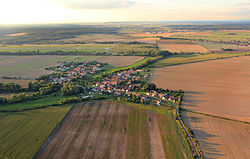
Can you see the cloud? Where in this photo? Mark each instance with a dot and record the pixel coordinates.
(97, 4)
(247, 3)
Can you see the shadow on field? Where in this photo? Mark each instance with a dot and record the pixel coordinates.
(193, 92)
(189, 99)
(203, 138)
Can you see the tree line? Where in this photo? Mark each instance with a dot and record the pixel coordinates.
(9, 87)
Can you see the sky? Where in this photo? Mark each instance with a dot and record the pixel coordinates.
(84, 11)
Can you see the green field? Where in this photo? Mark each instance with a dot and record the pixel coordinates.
(138, 129)
(23, 133)
(173, 138)
(33, 104)
(111, 69)
(183, 59)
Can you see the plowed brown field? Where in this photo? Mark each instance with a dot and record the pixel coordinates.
(102, 129)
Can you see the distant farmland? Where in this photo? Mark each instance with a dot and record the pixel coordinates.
(33, 66)
(112, 130)
(180, 46)
(184, 59)
(53, 48)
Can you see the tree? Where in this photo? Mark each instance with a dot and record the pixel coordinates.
(13, 98)
(3, 100)
(150, 86)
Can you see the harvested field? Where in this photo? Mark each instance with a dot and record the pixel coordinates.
(104, 129)
(220, 88)
(186, 58)
(119, 60)
(180, 46)
(16, 34)
(219, 138)
(148, 40)
(33, 66)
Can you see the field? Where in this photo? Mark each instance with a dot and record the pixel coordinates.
(100, 38)
(136, 64)
(220, 138)
(39, 49)
(184, 59)
(33, 104)
(54, 46)
(22, 134)
(218, 88)
(32, 67)
(119, 61)
(103, 129)
(134, 49)
(23, 83)
(180, 46)
(220, 48)
(225, 35)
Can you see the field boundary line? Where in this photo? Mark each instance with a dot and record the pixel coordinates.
(53, 133)
(220, 58)
(215, 116)
(183, 127)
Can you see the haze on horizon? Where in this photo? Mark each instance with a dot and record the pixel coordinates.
(80, 11)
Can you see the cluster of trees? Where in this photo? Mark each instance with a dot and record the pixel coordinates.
(49, 89)
(15, 98)
(9, 87)
(34, 86)
(71, 89)
(40, 91)
(149, 86)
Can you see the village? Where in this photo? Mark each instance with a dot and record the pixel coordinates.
(129, 85)
(68, 71)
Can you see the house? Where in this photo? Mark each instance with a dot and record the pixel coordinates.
(157, 102)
